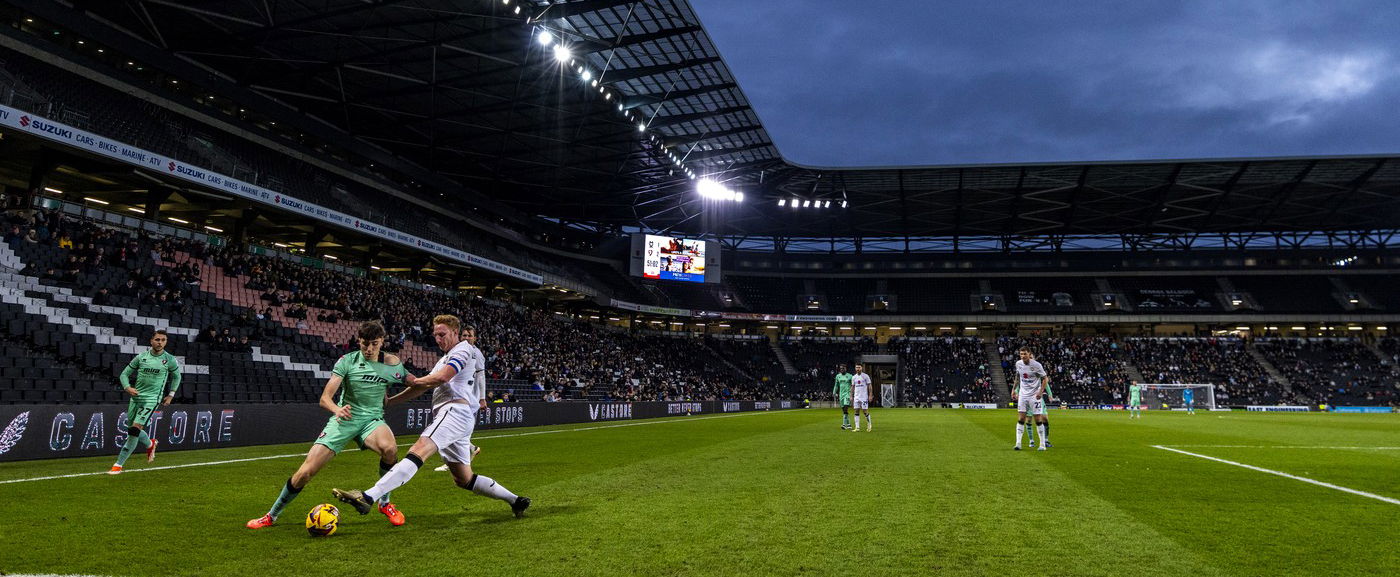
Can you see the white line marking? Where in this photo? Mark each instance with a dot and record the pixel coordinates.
(1281, 447)
(502, 436)
(1285, 475)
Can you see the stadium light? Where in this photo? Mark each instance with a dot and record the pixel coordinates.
(782, 202)
(96, 200)
(545, 38)
(710, 189)
(827, 205)
(587, 75)
(806, 203)
(843, 204)
(207, 227)
(561, 53)
(53, 190)
(137, 210)
(641, 127)
(173, 219)
(1353, 328)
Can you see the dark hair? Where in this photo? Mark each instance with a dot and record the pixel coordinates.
(1025, 350)
(466, 328)
(370, 330)
(160, 332)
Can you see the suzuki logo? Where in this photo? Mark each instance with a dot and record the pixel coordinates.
(171, 166)
(24, 121)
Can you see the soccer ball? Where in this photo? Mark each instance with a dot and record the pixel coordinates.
(322, 520)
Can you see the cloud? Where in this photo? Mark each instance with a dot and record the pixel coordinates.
(887, 83)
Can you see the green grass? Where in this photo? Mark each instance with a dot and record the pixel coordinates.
(783, 493)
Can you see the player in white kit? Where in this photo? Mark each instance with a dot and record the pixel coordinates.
(455, 403)
(469, 335)
(861, 392)
(1032, 379)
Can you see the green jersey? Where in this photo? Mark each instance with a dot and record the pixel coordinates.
(364, 383)
(1134, 395)
(152, 372)
(842, 389)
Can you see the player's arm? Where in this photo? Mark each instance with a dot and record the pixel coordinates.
(407, 394)
(173, 378)
(328, 398)
(1045, 383)
(125, 378)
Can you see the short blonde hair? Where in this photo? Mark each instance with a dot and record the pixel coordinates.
(451, 321)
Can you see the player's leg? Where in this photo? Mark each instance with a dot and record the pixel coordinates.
(868, 421)
(845, 415)
(451, 423)
(1020, 423)
(855, 406)
(316, 458)
(381, 440)
(138, 415)
(1042, 429)
(460, 465)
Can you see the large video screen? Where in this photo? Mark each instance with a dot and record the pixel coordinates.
(669, 258)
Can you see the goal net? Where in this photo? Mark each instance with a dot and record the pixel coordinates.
(1173, 395)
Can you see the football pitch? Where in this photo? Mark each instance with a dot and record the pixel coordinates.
(774, 493)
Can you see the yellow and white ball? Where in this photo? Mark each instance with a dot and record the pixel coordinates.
(323, 520)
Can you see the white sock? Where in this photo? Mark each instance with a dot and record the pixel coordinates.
(395, 478)
(1020, 432)
(857, 420)
(1041, 429)
(869, 420)
(488, 487)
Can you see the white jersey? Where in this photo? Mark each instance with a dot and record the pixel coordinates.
(480, 377)
(860, 386)
(462, 386)
(1029, 375)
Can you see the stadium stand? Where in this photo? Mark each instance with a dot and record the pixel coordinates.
(944, 370)
(1239, 378)
(1333, 371)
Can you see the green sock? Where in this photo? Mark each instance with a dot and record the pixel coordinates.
(131, 442)
(144, 440)
(845, 420)
(384, 468)
(285, 498)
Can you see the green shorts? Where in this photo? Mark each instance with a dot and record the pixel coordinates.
(139, 411)
(338, 432)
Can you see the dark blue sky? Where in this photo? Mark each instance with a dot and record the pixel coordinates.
(876, 82)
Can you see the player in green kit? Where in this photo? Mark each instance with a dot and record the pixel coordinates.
(1134, 401)
(362, 378)
(153, 371)
(842, 390)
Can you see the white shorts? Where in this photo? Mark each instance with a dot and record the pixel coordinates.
(451, 430)
(1029, 405)
(861, 403)
(1038, 407)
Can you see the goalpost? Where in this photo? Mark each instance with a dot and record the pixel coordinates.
(1154, 395)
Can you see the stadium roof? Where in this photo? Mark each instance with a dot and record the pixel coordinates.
(470, 91)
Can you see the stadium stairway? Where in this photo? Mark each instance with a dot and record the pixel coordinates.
(234, 290)
(1131, 369)
(998, 375)
(1272, 371)
(788, 367)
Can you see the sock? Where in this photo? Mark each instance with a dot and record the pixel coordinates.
(1046, 430)
(283, 499)
(845, 418)
(857, 420)
(144, 441)
(395, 477)
(488, 487)
(869, 421)
(383, 469)
(1043, 431)
(131, 441)
(1020, 432)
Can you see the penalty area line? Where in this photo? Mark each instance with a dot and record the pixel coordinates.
(1284, 475)
(501, 436)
